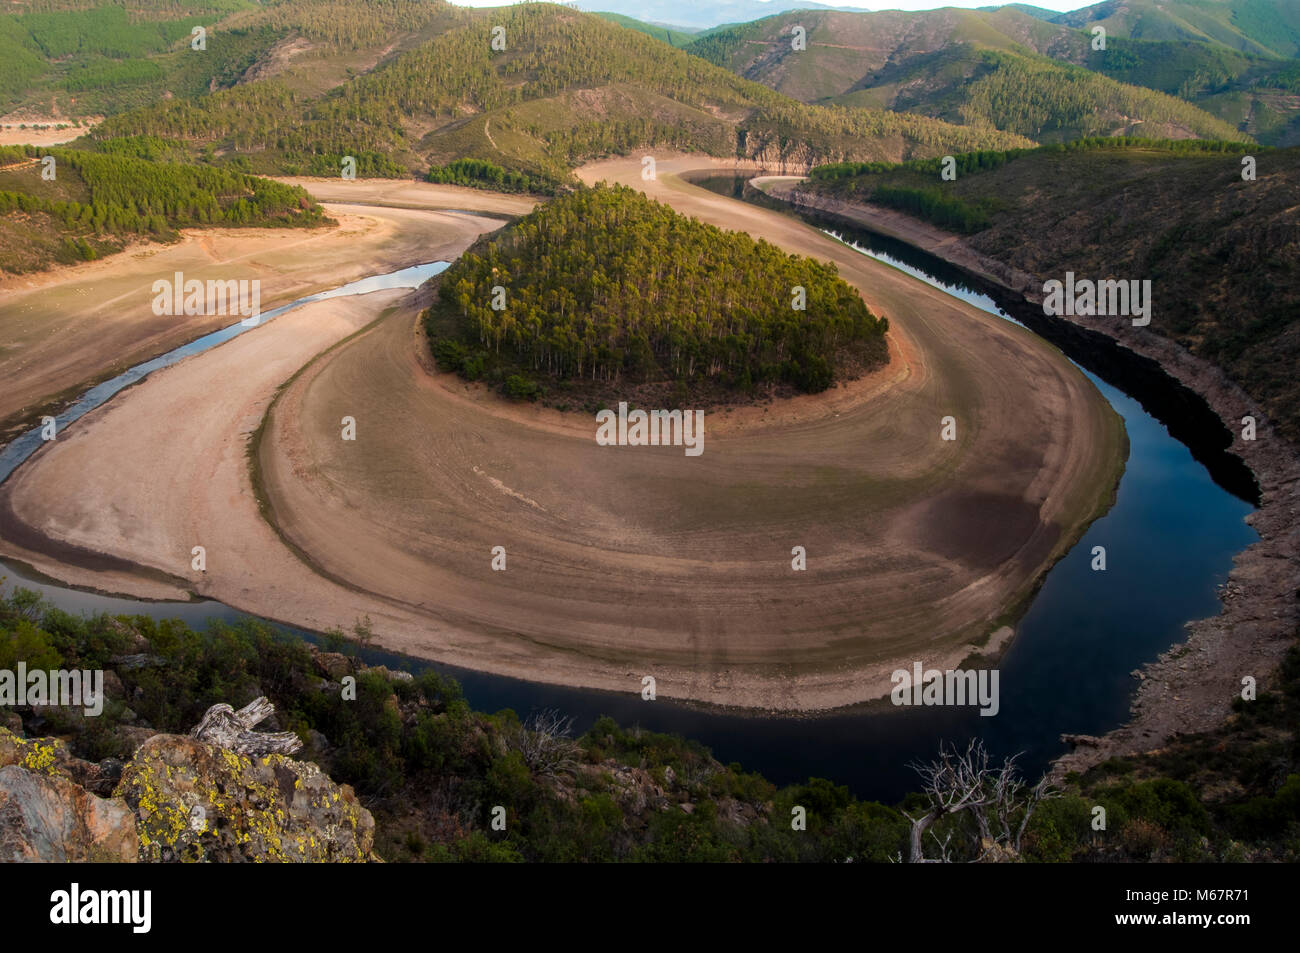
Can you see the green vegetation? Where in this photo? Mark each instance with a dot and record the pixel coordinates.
(1237, 787)
(933, 205)
(107, 30)
(607, 286)
(355, 24)
(98, 202)
(1001, 68)
(618, 794)
(569, 87)
(677, 38)
(988, 159)
(1252, 26)
(1223, 254)
(111, 55)
(418, 743)
(1045, 100)
(481, 174)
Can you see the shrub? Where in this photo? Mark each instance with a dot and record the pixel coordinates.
(518, 387)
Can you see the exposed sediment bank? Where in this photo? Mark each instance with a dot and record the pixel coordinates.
(594, 599)
(1191, 687)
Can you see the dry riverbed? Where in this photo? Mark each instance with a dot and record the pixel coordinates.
(620, 563)
(66, 328)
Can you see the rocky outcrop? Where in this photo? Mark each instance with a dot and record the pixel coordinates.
(332, 665)
(47, 814)
(50, 756)
(49, 819)
(178, 799)
(198, 802)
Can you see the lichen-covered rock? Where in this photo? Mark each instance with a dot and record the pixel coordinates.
(332, 665)
(46, 818)
(50, 756)
(43, 755)
(198, 802)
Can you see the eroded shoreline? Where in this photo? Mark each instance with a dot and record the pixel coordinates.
(1190, 687)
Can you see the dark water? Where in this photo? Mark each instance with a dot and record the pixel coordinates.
(1169, 539)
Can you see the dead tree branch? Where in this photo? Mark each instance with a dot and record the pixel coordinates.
(226, 728)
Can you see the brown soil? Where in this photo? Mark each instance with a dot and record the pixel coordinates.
(63, 329)
(622, 561)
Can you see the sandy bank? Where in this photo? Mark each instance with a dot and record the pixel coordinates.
(1191, 687)
(63, 329)
(620, 565)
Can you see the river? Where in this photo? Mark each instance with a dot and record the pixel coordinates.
(1169, 540)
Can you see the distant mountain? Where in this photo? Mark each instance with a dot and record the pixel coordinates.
(1250, 26)
(567, 88)
(1041, 13)
(1001, 68)
(698, 15)
(672, 35)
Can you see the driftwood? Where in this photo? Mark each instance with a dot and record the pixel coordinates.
(226, 728)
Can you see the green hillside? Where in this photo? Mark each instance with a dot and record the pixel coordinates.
(74, 58)
(677, 38)
(1250, 26)
(425, 762)
(568, 87)
(1223, 254)
(1001, 68)
(95, 57)
(89, 57)
(1258, 95)
(97, 203)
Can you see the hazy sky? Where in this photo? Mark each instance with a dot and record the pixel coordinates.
(777, 6)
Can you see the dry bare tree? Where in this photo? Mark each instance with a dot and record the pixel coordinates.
(545, 745)
(996, 801)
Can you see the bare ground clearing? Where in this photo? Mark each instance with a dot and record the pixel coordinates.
(404, 193)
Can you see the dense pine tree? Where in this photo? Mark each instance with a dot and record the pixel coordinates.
(606, 284)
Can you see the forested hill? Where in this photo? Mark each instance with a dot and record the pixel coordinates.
(87, 57)
(567, 87)
(1223, 254)
(1251, 26)
(604, 290)
(94, 204)
(1002, 68)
